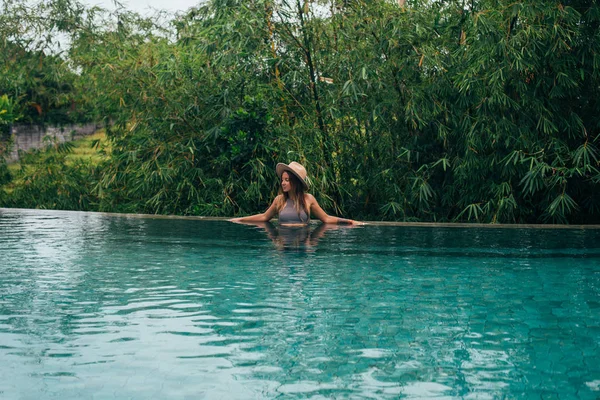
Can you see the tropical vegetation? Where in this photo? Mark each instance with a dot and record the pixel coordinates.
(424, 110)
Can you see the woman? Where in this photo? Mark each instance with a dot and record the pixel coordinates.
(293, 205)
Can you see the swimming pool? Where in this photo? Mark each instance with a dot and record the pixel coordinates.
(104, 306)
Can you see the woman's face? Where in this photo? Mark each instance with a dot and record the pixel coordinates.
(286, 183)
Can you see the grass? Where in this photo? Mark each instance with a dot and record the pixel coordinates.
(83, 150)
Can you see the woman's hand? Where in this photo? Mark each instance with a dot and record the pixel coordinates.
(357, 223)
(347, 221)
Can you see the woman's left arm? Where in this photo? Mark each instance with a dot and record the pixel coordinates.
(318, 212)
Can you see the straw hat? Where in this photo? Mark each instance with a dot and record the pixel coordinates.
(296, 169)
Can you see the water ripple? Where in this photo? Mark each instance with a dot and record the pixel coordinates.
(93, 305)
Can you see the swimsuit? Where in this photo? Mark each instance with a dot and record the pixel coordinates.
(289, 215)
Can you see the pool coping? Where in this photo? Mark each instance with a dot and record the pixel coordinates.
(374, 223)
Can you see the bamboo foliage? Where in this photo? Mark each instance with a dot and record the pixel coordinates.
(482, 110)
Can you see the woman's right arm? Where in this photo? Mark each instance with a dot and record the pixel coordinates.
(264, 217)
(316, 209)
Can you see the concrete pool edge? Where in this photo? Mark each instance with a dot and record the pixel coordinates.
(372, 223)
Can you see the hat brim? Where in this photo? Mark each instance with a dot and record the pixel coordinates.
(281, 168)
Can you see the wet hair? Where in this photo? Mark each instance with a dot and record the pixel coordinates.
(296, 193)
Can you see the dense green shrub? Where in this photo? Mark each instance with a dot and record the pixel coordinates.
(436, 111)
(47, 180)
(34, 73)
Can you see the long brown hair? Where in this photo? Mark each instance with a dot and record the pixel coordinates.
(296, 193)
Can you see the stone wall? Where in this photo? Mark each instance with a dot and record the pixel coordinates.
(27, 137)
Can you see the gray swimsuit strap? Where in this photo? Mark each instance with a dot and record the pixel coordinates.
(289, 215)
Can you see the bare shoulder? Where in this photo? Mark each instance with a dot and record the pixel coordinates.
(277, 199)
(309, 198)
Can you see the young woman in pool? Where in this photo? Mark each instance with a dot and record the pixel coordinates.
(293, 205)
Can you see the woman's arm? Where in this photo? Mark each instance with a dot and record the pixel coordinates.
(264, 217)
(318, 212)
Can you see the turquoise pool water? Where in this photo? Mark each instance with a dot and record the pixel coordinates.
(103, 307)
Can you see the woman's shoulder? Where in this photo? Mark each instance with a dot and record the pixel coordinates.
(309, 198)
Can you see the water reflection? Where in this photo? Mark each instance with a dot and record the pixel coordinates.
(299, 238)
